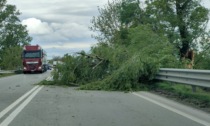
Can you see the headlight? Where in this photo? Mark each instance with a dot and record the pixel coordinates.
(40, 68)
(24, 68)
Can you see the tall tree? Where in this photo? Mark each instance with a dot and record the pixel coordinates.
(12, 32)
(107, 23)
(115, 19)
(183, 21)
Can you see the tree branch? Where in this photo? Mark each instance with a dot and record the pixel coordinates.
(98, 64)
(185, 4)
(91, 56)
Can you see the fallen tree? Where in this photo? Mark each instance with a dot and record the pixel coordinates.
(118, 67)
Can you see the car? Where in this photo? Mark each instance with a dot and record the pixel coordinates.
(49, 67)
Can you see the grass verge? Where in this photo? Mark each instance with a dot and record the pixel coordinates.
(183, 93)
(10, 74)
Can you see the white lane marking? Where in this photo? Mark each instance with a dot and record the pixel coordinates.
(50, 78)
(6, 110)
(174, 110)
(9, 119)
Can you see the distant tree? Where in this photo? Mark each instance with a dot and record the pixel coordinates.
(57, 58)
(11, 58)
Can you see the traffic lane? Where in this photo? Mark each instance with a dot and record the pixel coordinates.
(13, 87)
(66, 106)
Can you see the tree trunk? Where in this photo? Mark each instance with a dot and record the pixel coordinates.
(180, 10)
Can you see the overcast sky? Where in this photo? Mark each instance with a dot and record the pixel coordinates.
(61, 26)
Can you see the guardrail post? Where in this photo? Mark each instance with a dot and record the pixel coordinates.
(193, 88)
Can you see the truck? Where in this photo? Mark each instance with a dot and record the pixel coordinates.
(34, 59)
(54, 63)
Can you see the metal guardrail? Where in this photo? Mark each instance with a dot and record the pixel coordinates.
(185, 76)
(6, 71)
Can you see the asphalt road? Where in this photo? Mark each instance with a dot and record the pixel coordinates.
(13, 87)
(62, 106)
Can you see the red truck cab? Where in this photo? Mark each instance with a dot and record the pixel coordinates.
(34, 59)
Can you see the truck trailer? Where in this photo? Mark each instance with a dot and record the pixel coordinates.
(34, 59)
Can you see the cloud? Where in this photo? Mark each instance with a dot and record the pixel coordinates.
(36, 26)
(54, 33)
(72, 30)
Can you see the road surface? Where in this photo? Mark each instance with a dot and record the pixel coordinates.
(64, 106)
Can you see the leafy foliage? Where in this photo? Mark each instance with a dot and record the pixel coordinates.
(203, 59)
